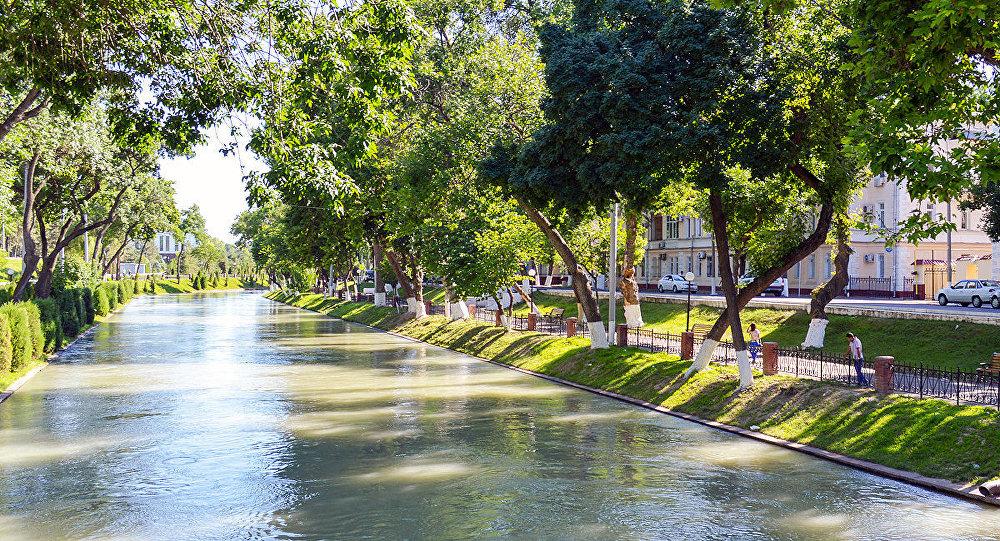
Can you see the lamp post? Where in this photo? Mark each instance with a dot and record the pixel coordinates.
(690, 278)
(613, 274)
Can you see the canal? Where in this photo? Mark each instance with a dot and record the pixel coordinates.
(228, 416)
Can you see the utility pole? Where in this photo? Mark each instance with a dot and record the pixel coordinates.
(612, 274)
(950, 258)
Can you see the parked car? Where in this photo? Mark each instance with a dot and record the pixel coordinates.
(974, 292)
(777, 287)
(675, 283)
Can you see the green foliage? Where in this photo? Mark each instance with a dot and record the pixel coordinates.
(69, 314)
(6, 345)
(88, 304)
(124, 291)
(102, 301)
(137, 288)
(35, 322)
(51, 323)
(20, 334)
(111, 288)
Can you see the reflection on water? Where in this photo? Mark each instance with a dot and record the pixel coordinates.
(227, 416)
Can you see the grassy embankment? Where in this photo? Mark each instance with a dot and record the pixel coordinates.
(929, 437)
(943, 344)
(170, 285)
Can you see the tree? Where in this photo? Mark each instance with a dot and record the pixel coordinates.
(192, 226)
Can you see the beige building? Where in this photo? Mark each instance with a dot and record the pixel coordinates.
(678, 245)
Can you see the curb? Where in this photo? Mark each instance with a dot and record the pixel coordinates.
(943, 486)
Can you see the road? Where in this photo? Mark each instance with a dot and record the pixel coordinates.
(928, 308)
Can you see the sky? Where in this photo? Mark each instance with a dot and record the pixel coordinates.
(212, 181)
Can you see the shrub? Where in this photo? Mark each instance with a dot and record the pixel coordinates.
(20, 335)
(215, 280)
(6, 347)
(51, 324)
(88, 304)
(137, 288)
(102, 304)
(69, 314)
(196, 282)
(81, 306)
(112, 290)
(204, 281)
(124, 293)
(35, 322)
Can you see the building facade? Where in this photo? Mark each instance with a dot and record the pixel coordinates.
(681, 244)
(168, 246)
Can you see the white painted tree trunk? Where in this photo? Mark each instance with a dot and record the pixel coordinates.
(459, 310)
(447, 309)
(416, 308)
(598, 335)
(703, 357)
(633, 316)
(380, 300)
(503, 320)
(817, 333)
(746, 371)
(347, 293)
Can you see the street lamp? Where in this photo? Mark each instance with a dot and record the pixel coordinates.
(690, 278)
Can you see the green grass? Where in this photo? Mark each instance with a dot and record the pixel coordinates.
(170, 285)
(7, 378)
(929, 437)
(944, 344)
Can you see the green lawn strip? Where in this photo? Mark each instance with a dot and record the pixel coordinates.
(7, 378)
(929, 437)
(170, 285)
(941, 344)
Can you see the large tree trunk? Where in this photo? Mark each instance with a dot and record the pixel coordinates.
(138, 264)
(412, 285)
(527, 298)
(807, 246)
(178, 259)
(43, 286)
(581, 285)
(119, 251)
(30, 258)
(628, 285)
(822, 295)
(720, 227)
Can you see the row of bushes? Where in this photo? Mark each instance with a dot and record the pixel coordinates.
(201, 281)
(22, 336)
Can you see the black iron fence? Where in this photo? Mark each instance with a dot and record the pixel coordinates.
(920, 380)
(879, 287)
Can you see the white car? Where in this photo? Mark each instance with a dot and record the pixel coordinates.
(974, 292)
(675, 283)
(777, 287)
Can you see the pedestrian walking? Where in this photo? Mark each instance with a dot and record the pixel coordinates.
(858, 354)
(755, 346)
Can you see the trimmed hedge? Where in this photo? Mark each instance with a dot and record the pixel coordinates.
(20, 335)
(102, 303)
(70, 315)
(124, 292)
(37, 335)
(81, 306)
(88, 305)
(111, 289)
(6, 346)
(51, 323)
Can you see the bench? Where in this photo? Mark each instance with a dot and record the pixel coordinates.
(556, 313)
(993, 367)
(701, 330)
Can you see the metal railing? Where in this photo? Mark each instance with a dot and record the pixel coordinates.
(920, 380)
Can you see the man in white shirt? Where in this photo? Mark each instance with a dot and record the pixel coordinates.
(857, 353)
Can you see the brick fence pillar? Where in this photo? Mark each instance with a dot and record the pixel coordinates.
(883, 374)
(427, 307)
(687, 345)
(570, 327)
(532, 321)
(770, 358)
(472, 311)
(622, 338)
(498, 318)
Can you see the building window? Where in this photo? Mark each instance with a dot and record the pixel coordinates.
(929, 212)
(881, 265)
(964, 219)
(711, 266)
(828, 267)
(672, 229)
(812, 266)
(798, 270)
(690, 264)
(881, 214)
(656, 229)
(698, 227)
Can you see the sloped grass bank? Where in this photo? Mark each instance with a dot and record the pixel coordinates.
(941, 344)
(928, 437)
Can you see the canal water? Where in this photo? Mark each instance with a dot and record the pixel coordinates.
(228, 416)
